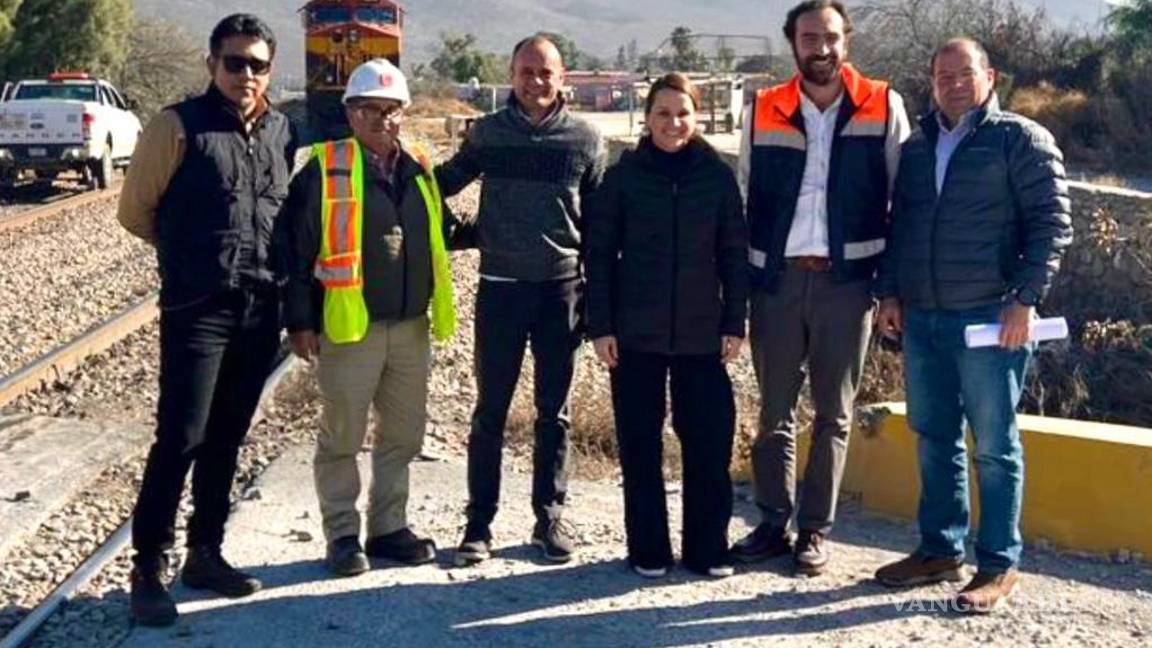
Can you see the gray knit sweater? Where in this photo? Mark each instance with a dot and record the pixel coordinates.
(535, 179)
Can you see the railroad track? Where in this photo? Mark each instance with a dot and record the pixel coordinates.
(55, 204)
(54, 366)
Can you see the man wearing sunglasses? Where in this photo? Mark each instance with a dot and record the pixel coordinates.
(206, 182)
(369, 279)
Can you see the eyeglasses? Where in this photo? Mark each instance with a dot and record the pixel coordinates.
(237, 64)
(369, 112)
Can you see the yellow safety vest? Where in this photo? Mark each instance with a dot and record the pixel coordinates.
(340, 264)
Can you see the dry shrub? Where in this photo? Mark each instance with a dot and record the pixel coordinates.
(1071, 116)
(1103, 374)
(436, 106)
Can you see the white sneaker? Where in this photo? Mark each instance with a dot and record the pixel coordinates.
(655, 572)
(721, 571)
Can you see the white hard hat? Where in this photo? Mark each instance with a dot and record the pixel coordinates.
(380, 79)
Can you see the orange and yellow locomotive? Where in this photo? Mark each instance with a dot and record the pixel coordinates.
(339, 35)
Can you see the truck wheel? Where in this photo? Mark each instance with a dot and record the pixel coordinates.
(102, 171)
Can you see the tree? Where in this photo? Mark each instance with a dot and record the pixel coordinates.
(621, 59)
(458, 60)
(685, 56)
(895, 40)
(50, 35)
(7, 18)
(163, 66)
(725, 56)
(1130, 25)
(633, 54)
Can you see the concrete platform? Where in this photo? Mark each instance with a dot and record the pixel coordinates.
(515, 600)
(45, 462)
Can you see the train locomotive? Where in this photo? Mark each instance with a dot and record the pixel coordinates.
(339, 35)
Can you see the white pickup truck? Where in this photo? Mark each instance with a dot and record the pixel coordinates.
(68, 121)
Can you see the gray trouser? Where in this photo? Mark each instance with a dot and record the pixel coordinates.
(387, 370)
(809, 321)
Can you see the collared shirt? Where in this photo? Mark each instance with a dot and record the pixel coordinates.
(809, 233)
(382, 169)
(947, 143)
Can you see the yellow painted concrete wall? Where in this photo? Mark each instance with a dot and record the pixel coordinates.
(1087, 486)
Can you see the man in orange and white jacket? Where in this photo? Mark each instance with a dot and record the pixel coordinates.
(817, 163)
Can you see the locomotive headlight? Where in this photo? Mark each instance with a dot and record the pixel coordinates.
(353, 36)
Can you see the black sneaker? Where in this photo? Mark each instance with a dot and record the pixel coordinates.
(556, 539)
(811, 553)
(476, 546)
(206, 569)
(152, 605)
(403, 546)
(346, 557)
(763, 543)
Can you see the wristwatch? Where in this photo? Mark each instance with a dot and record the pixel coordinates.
(1026, 296)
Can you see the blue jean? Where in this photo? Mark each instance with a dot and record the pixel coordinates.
(948, 383)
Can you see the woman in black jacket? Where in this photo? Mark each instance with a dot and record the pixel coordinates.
(666, 264)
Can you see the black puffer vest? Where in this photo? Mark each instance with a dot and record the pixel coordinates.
(214, 224)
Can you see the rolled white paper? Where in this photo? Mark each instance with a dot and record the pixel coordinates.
(985, 335)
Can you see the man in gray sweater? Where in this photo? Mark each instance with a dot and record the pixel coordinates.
(538, 162)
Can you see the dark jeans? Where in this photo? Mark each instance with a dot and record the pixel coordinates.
(214, 358)
(949, 384)
(704, 417)
(810, 326)
(508, 316)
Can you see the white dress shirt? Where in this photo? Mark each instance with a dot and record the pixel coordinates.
(809, 233)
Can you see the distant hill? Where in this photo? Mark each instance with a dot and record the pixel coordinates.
(597, 26)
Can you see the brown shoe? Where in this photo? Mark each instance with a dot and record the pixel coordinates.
(985, 592)
(811, 553)
(918, 569)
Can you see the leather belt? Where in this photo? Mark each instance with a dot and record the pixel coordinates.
(810, 263)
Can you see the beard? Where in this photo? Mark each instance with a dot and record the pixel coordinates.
(812, 70)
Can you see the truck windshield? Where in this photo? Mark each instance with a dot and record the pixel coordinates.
(74, 92)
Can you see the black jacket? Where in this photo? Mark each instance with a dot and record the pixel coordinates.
(667, 252)
(397, 255)
(215, 222)
(1000, 224)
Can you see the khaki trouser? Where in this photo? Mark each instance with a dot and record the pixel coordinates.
(388, 370)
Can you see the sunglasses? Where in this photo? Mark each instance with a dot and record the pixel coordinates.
(237, 64)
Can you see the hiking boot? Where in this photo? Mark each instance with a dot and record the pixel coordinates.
(152, 605)
(206, 569)
(403, 546)
(764, 542)
(918, 569)
(811, 553)
(986, 592)
(346, 557)
(476, 546)
(556, 539)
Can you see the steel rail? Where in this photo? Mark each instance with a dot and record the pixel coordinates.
(110, 548)
(22, 218)
(57, 362)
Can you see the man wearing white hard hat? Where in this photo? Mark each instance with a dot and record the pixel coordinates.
(369, 279)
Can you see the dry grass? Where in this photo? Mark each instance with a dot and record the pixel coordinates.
(593, 439)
